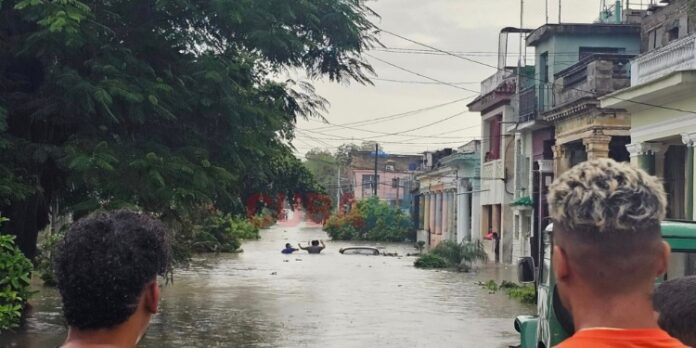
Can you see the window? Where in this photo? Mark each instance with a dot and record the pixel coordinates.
(652, 39)
(673, 34)
(395, 183)
(368, 182)
(682, 265)
(389, 167)
(544, 64)
(494, 137)
(590, 51)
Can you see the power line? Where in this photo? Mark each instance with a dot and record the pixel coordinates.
(419, 127)
(375, 120)
(419, 74)
(533, 79)
(425, 82)
(473, 53)
(403, 135)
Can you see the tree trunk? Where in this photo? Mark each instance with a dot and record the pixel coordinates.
(27, 218)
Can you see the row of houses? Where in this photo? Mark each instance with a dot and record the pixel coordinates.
(620, 88)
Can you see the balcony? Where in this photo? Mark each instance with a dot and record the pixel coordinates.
(493, 82)
(592, 77)
(491, 173)
(527, 105)
(679, 55)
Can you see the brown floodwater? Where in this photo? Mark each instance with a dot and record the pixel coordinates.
(261, 298)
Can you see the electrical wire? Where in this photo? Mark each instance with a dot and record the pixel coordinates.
(436, 136)
(411, 82)
(533, 79)
(375, 120)
(419, 74)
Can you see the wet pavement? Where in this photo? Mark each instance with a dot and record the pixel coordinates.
(261, 298)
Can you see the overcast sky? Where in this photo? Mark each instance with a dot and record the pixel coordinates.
(470, 27)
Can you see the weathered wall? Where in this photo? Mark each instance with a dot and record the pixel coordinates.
(662, 20)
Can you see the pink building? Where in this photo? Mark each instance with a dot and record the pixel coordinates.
(395, 173)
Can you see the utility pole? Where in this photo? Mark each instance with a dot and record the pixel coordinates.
(375, 181)
(398, 188)
(338, 188)
(560, 7)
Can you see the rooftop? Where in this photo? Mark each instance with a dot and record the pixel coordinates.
(545, 31)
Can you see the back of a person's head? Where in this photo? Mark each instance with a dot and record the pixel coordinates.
(104, 263)
(607, 218)
(315, 242)
(675, 301)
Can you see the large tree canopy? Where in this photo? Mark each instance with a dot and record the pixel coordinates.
(161, 105)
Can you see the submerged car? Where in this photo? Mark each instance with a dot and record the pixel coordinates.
(360, 250)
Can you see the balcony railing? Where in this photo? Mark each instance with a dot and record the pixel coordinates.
(528, 105)
(593, 76)
(679, 55)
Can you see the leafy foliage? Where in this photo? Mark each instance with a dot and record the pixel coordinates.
(44, 259)
(15, 274)
(165, 106)
(460, 255)
(431, 261)
(372, 220)
(223, 233)
(523, 293)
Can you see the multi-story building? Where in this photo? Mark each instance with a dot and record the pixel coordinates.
(549, 123)
(662, 103)
(448, 196)
(497, 161)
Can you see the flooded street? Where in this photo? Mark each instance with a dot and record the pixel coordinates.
(261, 298)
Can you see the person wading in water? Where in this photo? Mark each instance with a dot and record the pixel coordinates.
(314, 248)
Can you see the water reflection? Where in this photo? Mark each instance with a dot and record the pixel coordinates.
(261, 298)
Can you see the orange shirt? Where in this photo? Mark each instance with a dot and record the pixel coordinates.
(610, 338)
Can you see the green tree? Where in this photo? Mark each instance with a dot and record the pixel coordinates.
(162, 105)
(325, 169)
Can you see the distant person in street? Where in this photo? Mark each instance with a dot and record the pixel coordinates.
(496, 246)
(288, 249)
(675, 303)
(314, 248)
(107, 268)
(608, 251)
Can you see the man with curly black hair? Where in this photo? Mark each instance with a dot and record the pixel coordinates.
(107, 268)
(675, 301)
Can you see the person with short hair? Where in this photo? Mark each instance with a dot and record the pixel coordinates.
(107, 268)
(288, 249)
(608, 251)
(675, 303)
(314, 248)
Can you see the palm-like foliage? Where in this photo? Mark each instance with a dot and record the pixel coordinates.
(461, 255)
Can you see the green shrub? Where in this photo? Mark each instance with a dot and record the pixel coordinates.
(523, 293)
(43, 262)
(461, 255)
(223, 233)
(372, 220)
(15, 284)
(431, 261)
